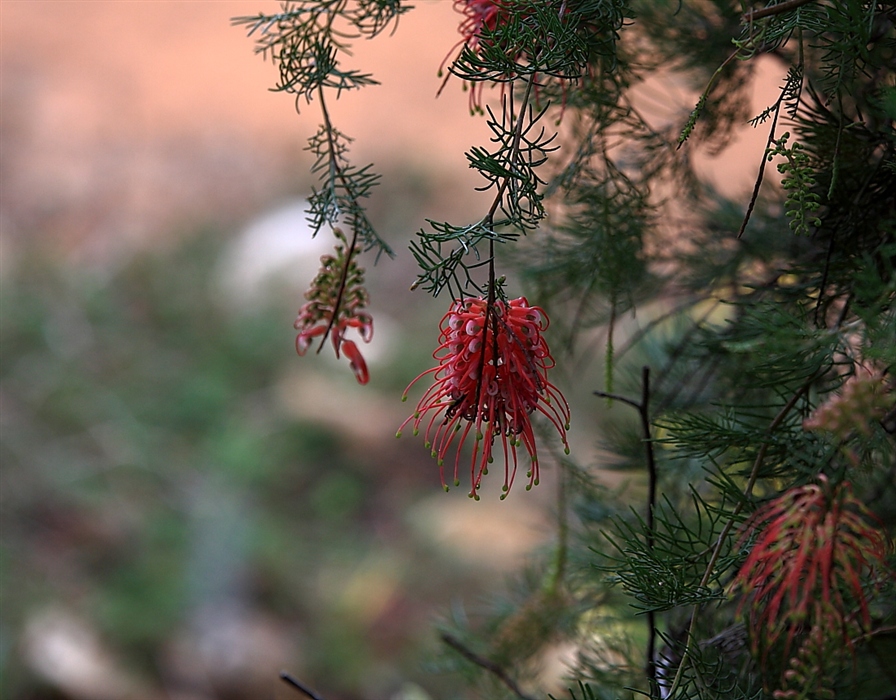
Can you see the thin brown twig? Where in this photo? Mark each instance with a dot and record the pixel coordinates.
(643, 408)
(787, 6)
(484, 663)
(651, 507)
(334, 166)
(291, 680)
(755, 195)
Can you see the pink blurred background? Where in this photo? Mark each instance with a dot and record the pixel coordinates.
(120, 118)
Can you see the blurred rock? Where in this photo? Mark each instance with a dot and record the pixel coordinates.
(66, 652)
(275, 249)
(497, 538)
(411, 691)
(228, 651)
(346, 407)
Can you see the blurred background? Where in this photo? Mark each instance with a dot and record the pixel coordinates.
(187, 507)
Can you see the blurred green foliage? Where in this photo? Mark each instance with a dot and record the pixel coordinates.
(153, 477)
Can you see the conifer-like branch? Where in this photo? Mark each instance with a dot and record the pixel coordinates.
(729, 524)
(745, 346)
(510, 170)
(307, 41)
(343, 186)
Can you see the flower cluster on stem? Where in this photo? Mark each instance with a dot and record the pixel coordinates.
(336, 300)
(863, 400)
(490, 379)
(815, 548)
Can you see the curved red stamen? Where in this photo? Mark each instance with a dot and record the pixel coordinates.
(492, 374)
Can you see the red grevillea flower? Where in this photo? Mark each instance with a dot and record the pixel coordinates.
(814, 546)
(335, 302)
(491, 377)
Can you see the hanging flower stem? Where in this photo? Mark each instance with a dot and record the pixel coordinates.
(336, 302)
(509, 380)
(336, 172)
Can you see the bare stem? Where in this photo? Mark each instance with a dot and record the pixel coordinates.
(774, 10)
(336, 172)
(291, 680)
(761, 174)
(484, 663)
(643, 408)
(651, 507)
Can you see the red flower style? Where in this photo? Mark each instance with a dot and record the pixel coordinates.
(478, 15)
(804, 574)
(491, 377)
(488, 15)
(335, 302)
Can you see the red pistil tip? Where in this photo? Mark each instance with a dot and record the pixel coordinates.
(490, 378)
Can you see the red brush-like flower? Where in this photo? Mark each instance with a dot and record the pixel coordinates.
(804, 576)
(491, 377)
(335, 302)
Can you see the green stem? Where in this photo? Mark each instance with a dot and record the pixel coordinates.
(717, 550)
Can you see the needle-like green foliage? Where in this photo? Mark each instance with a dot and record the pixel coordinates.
(753, 339)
